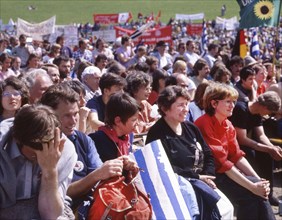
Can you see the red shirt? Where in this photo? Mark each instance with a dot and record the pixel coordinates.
(222, 141)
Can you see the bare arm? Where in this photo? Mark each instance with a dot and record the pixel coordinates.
(109, 169)
(264, 145)
(260, 188)
(95, 123)
(50, 203)
(244, 166)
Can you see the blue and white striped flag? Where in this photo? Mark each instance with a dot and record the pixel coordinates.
(255, 45)
(204, 38)
(159, 180)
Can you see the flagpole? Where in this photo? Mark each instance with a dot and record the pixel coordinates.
(276, 40)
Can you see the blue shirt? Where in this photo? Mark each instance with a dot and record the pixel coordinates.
(88, 157)
(97, 105)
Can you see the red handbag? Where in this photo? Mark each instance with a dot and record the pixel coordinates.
(116, 199)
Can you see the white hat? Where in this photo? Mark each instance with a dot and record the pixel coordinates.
(91, 70)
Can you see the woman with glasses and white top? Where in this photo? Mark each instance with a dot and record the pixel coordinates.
(14, 94)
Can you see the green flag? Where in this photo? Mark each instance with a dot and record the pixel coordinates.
(258, 13)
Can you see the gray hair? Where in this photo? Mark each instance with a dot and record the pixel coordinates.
(31, 77)
(270, 100)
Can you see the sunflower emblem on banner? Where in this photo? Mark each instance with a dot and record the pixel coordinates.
(264, 10)
(259, 13)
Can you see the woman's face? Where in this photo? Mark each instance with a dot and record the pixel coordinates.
(6, 64)
(129, 125)
(178, 110)
(224, 108)
(143, 93)
(11, 99)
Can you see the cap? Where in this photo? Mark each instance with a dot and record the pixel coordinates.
(249, 61)
(91, 70)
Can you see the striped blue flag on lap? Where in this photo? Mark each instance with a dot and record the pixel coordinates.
(160, 182)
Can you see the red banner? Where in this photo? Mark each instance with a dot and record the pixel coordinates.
(194, 29)
(106, 18)
(150, 36)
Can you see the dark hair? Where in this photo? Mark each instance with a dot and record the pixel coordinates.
(120, 105)
(110, 79)
(99, 58)
(77, 86)
(33, 125)
(171, 81)
(59, 38)
(169, 95)
(116, 68)
(236, 60)
(246, 72)
(4, 56)
(212, 46)
(98, 42)
(17, 84)
(199, 94)
(124, 39)
(157, 75)
(136, 80)
(62, 58)
(56, 94)
(142, 66)
(199, 65)
(31, 56)
(151, 60)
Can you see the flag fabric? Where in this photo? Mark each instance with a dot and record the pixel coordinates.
(259, 13)
(141, 30)
(204, 37)
(240, 47)
(160, 182)
(243, 44)
(158, 16)
(255, 52)
(150, 17)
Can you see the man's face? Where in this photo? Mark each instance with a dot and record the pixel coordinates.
(235, 69)
(41, 84)
(249, 82)
(22, 41)
(64, 69)
(92, 81)
(54, 74)
(68, 115)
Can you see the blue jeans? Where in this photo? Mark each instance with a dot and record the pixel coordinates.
(250, 206)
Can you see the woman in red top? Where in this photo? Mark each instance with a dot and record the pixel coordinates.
(234, 175)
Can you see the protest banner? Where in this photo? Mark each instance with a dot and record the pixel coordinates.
(194, 29)
(38, 29)
(160, 182)
(228, 24)
(148, 37)
(106, 35)
(189, 17)
(106, 18)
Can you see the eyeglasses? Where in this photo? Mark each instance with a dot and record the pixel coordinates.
(10, 94)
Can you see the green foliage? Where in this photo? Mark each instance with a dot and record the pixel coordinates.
(81, 11)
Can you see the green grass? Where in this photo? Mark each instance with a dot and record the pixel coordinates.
(81, 11)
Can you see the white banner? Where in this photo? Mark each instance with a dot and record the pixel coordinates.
(191, 17)
(124, 17)
(69, 32)
(29, 29)
(228, 24)
(106, 35)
